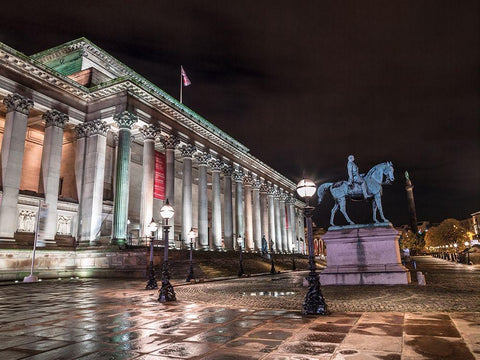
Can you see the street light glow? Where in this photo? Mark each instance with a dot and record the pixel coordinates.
(306, 188)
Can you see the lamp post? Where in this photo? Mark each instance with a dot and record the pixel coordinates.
(240, 270)
(190, 275)
(273, 271)
(456, 254)
(294, 267)
(166, 292)
(314, 303)
(152, 282)
(468, 253)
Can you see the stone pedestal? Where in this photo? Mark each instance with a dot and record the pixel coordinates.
(363, 255)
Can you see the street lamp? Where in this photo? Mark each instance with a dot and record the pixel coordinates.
(273, 271)
(240, 271)
(190, 275)
(314, 303)
(456, 254)
(166, 292)
(152, 282)
(468, 253)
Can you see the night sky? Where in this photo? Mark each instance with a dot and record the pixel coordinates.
(304, 84)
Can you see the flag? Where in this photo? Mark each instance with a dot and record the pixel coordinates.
(186, 80)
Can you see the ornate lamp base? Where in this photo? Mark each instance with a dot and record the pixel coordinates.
(152, 282)
(273, 271)
(190, 274)
(314, 301)
(166, 292)
(241, 272)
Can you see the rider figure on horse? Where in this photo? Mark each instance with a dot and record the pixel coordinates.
(354, 177)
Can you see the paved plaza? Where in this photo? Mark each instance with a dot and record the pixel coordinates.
(248, 318)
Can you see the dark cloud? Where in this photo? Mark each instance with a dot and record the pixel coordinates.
(304, 84)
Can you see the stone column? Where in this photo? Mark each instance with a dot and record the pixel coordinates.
(93, 174)
(216, 166)
(272, 239)
(125, 121)
(283, 223)
(411, 204)
(278, 222)
(227, 207)
(290, 225)
(149, 133)
(238, 178)
(257, 219)
(248, 182)
(301, 229)
(187, 152)
(13, 145)
(80, 158)
(51, 160)
(264, 211)
(293, 223)
(202, 159)
(170, 143)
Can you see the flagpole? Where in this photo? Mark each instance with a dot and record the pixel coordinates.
(181, 86)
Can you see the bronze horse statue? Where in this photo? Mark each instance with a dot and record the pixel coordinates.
(374, 181)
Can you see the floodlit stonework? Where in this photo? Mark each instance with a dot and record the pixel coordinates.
(80, 132)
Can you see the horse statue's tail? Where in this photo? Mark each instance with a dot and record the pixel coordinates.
(321, 190)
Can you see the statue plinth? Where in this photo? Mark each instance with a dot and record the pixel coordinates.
(363, 255)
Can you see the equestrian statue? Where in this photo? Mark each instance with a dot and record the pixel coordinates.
(359, 187)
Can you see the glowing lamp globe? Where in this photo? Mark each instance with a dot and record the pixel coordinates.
(467, 243)
(153, 226)
(166, 212)
(306, 188)
(191, 234)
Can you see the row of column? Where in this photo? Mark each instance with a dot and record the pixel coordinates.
(261, 208)
(252, 206)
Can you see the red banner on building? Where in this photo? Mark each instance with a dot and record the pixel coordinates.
(159, 184)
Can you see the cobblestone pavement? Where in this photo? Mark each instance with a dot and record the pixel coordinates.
(104, 319)
(450, 287)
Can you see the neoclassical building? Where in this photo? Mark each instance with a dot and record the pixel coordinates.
(95, 149)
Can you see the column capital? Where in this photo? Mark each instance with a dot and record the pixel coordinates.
(278, 193)
(170, 141)
(215, 164)
(202, 158)
(188, 150)
(264, 187)
(291, 199)
(227, 170)
(271, 191)
(81, 131)
(249, 179)
(125, 119)
(150, 132)
(238, 175)
(55, 118)
(96, 127)
(257, 184)
(17, 102)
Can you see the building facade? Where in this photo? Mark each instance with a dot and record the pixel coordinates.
(93, 149)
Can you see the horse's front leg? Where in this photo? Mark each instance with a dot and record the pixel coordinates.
(374, 209)
(344, 211)
(334, 211)
(378, 200)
